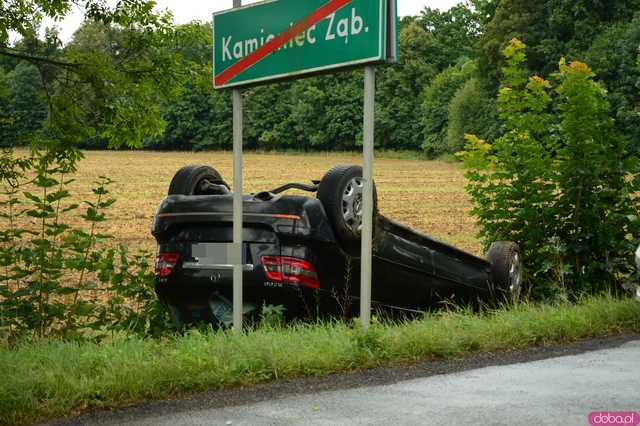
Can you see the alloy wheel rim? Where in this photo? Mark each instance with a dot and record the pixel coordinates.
(352, 204)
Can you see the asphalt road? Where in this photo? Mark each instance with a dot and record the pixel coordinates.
(561, 389)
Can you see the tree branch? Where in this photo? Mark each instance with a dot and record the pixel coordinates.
(38, 59)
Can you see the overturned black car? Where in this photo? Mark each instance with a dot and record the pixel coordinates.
(302, 252)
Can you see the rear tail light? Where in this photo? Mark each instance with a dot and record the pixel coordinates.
(165, 262)
(290, 270)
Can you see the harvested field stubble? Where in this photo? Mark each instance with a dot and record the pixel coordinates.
(426, 195)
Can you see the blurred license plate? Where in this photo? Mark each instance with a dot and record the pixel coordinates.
(210, 253)
(215, 253)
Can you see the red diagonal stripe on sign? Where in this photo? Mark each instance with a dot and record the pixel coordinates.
(279, 41)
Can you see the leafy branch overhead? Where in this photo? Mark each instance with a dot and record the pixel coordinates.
(104, 84)
(19, 16)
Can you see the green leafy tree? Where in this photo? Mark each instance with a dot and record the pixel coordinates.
(596, 181)
(186, 119)
(108, 83)
(430, 44)
(398, 91)
(550, 29)
(25, 97)
(509, 180)
(612, 56)
(108, 79)
(128, 75)
(452, 34)
(308, 117)
(344, 110)
(198, 118)
(559, 182)
(484, 11)
(320, 113)
(267, 109)
(471, 111)
(6, 115)
(221, 131)
(25, 111)
(20, 15)
(435, 100)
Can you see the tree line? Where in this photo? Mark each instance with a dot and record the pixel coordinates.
(146, 83)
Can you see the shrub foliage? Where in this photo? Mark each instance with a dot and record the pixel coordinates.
(559, 182)
(57, 277)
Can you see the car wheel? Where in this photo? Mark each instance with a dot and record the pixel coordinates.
(341, 194)
(506, 270)
(195, 180)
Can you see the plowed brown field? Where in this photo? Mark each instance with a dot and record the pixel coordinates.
(426, 195)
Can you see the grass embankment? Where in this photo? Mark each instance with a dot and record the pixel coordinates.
(50, 379)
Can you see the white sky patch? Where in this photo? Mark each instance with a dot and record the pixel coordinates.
(188, 10)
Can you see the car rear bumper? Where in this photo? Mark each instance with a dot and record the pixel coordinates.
(199, 302)
(257, 290)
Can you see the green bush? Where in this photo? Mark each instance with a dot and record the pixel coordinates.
(560, 182)
(56, 278)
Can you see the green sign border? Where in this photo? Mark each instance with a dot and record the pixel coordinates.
(383, 55)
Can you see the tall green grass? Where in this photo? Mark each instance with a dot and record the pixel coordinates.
(47, 379)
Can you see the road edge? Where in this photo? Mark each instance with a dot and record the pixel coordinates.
(359, 378)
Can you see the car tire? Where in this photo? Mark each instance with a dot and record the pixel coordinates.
(189, 179)
(340, 192)
(506, 270)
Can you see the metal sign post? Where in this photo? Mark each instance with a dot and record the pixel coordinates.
(237, 204)
(367, 211)
(284, 39)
